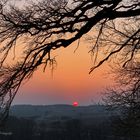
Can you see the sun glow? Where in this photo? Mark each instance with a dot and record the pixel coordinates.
(75, 104)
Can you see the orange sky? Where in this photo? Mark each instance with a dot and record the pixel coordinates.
(70, 82)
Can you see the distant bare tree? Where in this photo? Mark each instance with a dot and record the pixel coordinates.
(46, 25)
(126, 100)
(127, 91)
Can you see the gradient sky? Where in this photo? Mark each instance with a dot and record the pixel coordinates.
(70, 81)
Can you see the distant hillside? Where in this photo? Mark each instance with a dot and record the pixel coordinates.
(61, 112)
(59, 122)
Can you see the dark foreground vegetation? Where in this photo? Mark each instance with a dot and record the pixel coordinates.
(74, 129)
(27, 129)
(85, 126)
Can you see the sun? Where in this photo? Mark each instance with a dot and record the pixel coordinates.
(75, 104)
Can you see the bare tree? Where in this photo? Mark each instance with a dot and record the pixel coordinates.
(126, 100)
(46, 25)
(127, 91)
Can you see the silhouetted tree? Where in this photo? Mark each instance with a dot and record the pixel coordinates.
(45, 25)
(126, 101)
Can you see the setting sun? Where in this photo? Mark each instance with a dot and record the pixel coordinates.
(75, 104)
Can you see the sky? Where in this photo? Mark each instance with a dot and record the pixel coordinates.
(69, 82)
